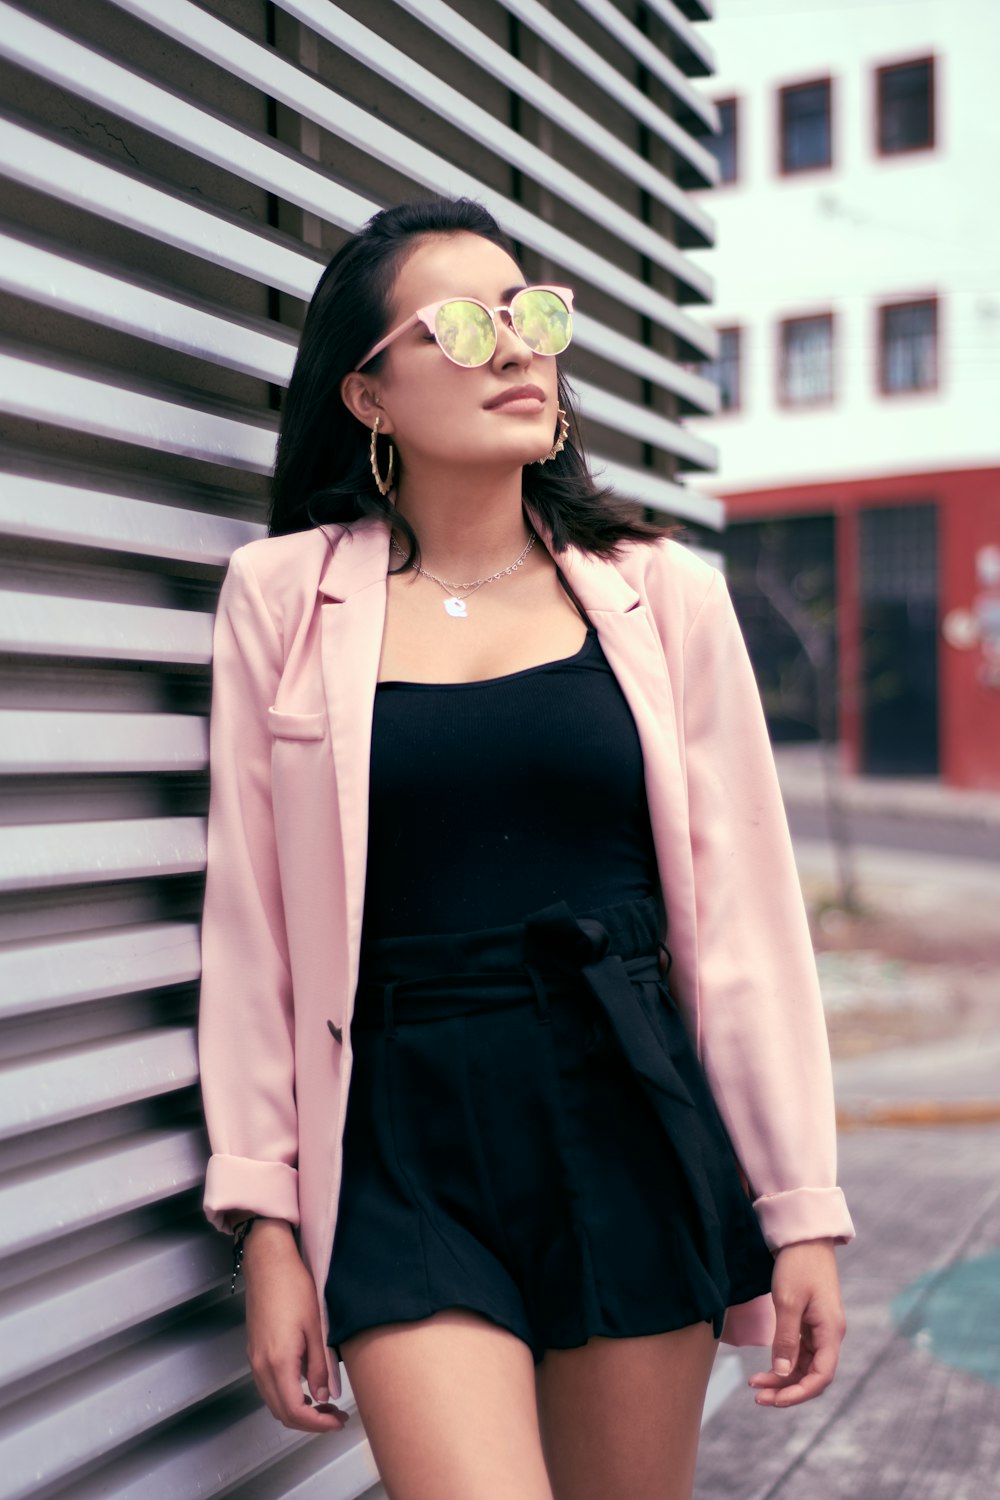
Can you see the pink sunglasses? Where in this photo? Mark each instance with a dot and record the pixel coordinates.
(466, 329)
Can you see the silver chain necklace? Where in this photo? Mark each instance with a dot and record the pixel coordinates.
(454, 606)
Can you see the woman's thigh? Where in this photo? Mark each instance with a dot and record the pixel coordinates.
(622, 1416)
(448, 1405)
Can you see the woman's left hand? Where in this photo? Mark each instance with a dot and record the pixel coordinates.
(811, 1324)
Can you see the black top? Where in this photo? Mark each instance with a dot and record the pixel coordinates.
(493, 798)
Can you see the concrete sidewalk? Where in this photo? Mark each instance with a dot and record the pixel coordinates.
(802, 776)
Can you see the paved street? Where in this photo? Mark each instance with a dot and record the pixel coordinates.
(912, 991)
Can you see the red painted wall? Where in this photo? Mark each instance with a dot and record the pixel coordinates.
(968, 503)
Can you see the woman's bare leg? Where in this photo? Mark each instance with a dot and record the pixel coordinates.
(623, 1416)
(448, 1404)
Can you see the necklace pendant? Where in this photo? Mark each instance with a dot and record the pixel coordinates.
(456, 608)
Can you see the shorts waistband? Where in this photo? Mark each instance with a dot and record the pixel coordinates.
(437, 975)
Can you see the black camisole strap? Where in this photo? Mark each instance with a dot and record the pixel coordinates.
(566, 585)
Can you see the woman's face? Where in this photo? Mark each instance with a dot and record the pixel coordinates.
(437, 412)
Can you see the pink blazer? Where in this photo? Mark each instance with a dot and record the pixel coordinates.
(298, 636)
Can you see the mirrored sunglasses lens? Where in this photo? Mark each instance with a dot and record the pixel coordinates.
(543, 321)
(465, 332)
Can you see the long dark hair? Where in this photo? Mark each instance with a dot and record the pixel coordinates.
(322, 470)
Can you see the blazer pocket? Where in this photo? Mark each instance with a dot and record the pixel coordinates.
(296, 726)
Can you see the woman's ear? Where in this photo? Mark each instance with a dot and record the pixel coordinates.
(359, 398)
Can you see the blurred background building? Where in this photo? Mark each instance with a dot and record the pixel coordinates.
(857, 312)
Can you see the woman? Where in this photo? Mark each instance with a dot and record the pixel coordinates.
(481, 741)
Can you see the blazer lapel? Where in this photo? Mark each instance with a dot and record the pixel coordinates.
(353, 595)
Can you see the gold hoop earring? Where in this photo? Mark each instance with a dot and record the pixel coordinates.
(560, 442)
(384, 485)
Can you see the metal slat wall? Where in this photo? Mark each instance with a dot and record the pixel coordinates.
(172, 181)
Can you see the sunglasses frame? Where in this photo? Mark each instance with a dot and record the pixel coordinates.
(428, 314)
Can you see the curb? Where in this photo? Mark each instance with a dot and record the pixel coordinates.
(921, 1112)
(979, 816)
(803, 785)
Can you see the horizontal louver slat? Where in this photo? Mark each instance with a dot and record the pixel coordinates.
(52, 510)
(37, 976)
(47, 740)
(97, 1183)
(120, 1288)
(34, 856)
(45, 1091)
(52, 625)
(75, 177)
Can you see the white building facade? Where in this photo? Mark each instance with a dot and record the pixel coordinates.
(857, 308)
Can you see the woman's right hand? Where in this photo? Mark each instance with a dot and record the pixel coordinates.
(284, 1336)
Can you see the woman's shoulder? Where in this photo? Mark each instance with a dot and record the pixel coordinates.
(668, 574)
(290, 567)
(288, 572)
(278, 576)
(270, 559)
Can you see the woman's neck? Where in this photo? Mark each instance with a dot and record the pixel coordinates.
(465, 532)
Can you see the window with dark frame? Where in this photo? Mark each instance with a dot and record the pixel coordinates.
(908, 339)
(723, 145)
(905, 106)
(725, 370)
(805, 126)
(806, 355)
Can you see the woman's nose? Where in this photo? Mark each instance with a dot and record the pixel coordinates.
(509, 345)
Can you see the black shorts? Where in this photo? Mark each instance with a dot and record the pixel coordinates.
(530, 1135)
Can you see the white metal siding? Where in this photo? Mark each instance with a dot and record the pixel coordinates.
(173, 178)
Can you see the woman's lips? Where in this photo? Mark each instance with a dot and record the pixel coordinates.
(528, 405)
(526, 399)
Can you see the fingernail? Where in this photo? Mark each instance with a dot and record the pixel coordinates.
(782, 1366)
(322, 1394)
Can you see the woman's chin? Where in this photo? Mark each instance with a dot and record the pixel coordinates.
(534, 451)
(528, 448)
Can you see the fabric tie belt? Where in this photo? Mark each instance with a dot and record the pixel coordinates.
(613, 950)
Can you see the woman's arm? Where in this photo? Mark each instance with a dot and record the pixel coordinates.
(763, 1038)
(245, 1019)
(763, 1032)
(246, 1028)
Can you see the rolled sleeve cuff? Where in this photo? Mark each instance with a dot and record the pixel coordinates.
(269, 1188)
(804, 1214)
